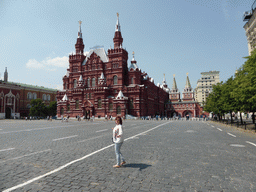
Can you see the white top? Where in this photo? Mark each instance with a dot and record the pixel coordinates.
(118, 130)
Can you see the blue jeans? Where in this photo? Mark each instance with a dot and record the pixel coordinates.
(118, 153)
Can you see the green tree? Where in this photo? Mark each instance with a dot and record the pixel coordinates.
(52, 108)
(245, 85)
(38, 108)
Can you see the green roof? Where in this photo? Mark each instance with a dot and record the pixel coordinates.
(32, 86)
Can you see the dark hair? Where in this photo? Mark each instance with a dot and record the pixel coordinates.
(119, 120)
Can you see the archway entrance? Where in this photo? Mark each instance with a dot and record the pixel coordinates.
(8, 113)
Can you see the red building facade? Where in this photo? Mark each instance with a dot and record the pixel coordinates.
(187, 106)
(99, 84)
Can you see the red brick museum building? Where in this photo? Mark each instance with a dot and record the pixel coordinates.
(100, 83)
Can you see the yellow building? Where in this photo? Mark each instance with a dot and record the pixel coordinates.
(250, 28)
(204, 85)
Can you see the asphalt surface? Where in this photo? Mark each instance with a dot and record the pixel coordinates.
(160, 155)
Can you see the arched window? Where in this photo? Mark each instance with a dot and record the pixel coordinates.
(118, 110)
(93, 82)
(44, 97)
(88, 82)
(77, 104)
(90, 95)
(110, 106)
(34, 95)
(68, 107)
(62, 111)
(48, 97)
(115, 80)
(75, 83)
(132, 81)
(99, 103)
(29, 95)
(66, 85)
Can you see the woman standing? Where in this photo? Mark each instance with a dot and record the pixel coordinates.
(118, 139)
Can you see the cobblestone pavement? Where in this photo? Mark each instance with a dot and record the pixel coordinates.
(160, 155)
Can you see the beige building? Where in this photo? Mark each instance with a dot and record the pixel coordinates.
(204, 85)
(250, 28)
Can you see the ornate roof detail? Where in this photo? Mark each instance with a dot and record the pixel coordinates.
(10, 94)
(79, 31)
(187, 83)
(99, 52)
(121, 95)
(65, 98)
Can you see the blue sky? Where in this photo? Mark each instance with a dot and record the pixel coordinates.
(171, 36)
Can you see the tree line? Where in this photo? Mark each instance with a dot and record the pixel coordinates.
(238, 93)
(39, 109)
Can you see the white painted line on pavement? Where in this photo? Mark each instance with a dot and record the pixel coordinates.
(231, 135)
(101, 130)
(6, 149)
(219, 129)
(72, 162)
(212, 126)
(25, 155)
(251, 143)
(64, 138)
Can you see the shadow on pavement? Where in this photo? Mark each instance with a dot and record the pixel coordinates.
(137, 165)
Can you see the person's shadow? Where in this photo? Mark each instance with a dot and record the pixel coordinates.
(137, 165)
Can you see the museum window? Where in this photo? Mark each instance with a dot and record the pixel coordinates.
(75, 83)
(28, 106)
(93, 82)
(88, 82)
(34, 95)
(44, 97)
(77, 104)
(68, 107)
(110, 106)
(9, 100)
(48, 97)
(118, 110)
(115, 80)
(62, 111)
(29, 95)
(90, 95)
(99, 103)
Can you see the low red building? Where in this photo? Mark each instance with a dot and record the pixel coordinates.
(99, 84)
(187, 106)
(15, 97)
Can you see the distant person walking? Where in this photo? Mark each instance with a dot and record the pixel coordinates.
(118, 139)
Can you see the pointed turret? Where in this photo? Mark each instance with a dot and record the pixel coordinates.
(164, 82)
(79, 43)
(188, 93)
(80, 81)
(174, 85)
(5, 75)
(187, 83)
(102, 79)
(174, 93)
(118, 40)
(133, 63)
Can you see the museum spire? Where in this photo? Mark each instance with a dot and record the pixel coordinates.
(118, 40)
(79, 43)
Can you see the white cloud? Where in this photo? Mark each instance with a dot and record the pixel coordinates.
(49, 63)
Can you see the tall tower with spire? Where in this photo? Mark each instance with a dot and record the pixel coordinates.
(5, 75)
(118, 57)
(79, 43)
(174, 93)
(188, 93)
(118, 40)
